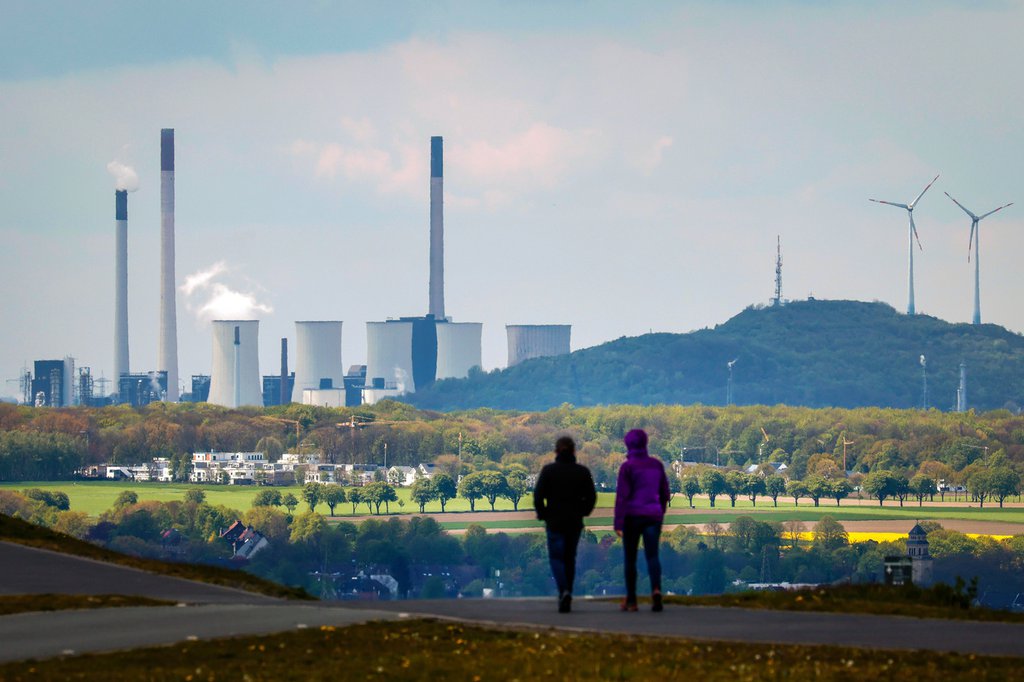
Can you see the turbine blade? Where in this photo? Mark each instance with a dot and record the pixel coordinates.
(890, 203)
(970, 241)
(973, 217)
(913, 228)
(993, 211)
(914, 202)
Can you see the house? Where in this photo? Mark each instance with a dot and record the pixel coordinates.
(361, 474)
(245, 541)
(327, 473)
(427, 470)
(402, 476)
(767, 469)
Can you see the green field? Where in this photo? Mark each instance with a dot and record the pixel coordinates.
(95, 497)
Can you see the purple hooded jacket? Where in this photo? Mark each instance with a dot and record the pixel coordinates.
(642, 489)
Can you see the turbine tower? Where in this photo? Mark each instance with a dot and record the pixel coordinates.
(728, 384)
(973, 243)
(909, 208)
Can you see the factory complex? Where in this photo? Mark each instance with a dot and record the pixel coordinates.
(404, 354)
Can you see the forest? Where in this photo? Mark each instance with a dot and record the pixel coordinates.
(811, 353)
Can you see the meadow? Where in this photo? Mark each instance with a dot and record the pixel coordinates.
(95, 497)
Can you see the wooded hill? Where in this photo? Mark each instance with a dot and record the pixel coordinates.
(808, 353)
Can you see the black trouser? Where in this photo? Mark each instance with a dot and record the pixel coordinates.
(649, 529)
(562, 544)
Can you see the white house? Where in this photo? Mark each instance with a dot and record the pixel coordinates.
(403, 476)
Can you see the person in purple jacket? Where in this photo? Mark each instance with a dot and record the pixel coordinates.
(641, 497)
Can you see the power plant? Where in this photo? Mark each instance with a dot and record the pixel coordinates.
(317, 357)
(459, 347)
(526, 341)
(235, 376)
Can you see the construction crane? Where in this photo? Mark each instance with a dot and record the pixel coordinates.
(844, 443)
(359, 422)
(298, 426)
(760, 447)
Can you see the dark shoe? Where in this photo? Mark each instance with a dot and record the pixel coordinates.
(565, 602)
(627, 605)
(656, 605)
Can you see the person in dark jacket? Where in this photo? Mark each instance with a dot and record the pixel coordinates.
(563, 496)
(641, 497)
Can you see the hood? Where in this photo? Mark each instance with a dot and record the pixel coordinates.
(636, 443)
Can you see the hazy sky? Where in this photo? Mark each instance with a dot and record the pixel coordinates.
(615, 169)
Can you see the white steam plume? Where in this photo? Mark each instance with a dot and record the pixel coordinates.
(211, 299)
(125, 177)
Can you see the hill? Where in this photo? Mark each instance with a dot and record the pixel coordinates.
(809, 353)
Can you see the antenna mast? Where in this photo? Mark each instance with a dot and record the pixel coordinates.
(777, 301)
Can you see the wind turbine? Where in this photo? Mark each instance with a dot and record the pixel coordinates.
(973, 242)
(909, 208)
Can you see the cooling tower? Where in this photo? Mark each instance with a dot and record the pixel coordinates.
(527, 341)
(389, 356)
(437, 228)
(167, 359)
(458, 348)
(222, 378)
(120, 284)
(317, 356)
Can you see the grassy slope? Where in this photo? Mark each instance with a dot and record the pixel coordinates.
(424, 650)
(22, 532)
(26, 603)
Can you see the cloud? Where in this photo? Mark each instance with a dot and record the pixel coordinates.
(219, 301)
(125, 177)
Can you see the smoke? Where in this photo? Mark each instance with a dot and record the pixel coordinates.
(125, 177)
(210, 298)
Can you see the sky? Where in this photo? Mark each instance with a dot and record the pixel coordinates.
(620, 167)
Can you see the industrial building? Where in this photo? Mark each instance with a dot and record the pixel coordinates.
(527, 341)
(141, 389)
(388, 360)
(200, 388)
(52, 382)
(272, 389)
(318, 357)
(458, 348)
(235, 379)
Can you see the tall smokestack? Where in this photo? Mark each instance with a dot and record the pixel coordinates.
(437, 227)
(286, 396)
(236, 398)
(120, 284)
(168, 353)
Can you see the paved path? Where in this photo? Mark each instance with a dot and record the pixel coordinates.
(45, 635)
(27, 570)
(732, 624)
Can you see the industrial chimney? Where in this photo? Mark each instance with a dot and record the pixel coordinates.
(285, 396)
(167, 358)
(437, 227)
(120, 284)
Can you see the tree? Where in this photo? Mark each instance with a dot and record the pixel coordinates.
(472, 488)
(879, 485)
(1002, 483)
(423, 491)
(735, 482)
(373, 494)
(355, 497)
(125, 499)
(839, 489)
(332, 496)
(309, 528)
(290, 502)
(267, 498)
(195, 496)
(774, 485)
(712, 482)
(796, 490)
(793, 530)
(816, 487)
(921, 487)
(691, 488)
(493, 485)
(271, 447)
(311, 494)
(516, 484)
(446, 489)
(900, 487)
(829, 534)
(388, 494)
(268, 521)
(754, 486)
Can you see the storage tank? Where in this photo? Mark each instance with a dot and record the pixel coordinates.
(527, 341)
(458, 348)
(317, 356)
(388, 359)
(235, 379)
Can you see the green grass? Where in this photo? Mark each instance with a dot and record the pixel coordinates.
(939, 601)
(24, 533)
(430, 650)
(25, 603)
